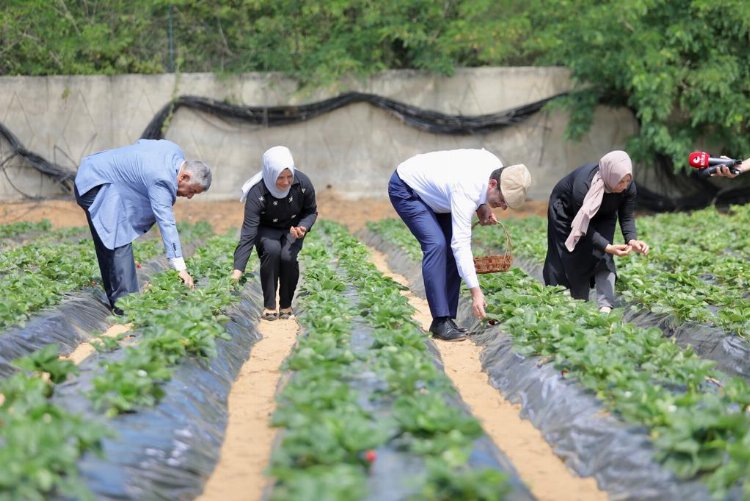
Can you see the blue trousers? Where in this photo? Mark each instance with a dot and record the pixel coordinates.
(117, 266)
(442, 282)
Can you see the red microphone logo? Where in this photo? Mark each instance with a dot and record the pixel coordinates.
(699, 160)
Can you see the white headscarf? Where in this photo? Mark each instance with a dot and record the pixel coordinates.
(275, 160)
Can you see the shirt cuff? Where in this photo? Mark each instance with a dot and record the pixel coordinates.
(600, 242)
(178, 263)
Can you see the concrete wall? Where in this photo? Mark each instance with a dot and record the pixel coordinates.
(352, 150)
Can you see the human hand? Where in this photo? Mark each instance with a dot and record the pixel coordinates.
(298, 231)
(639, 246)
(618, 249)
(478, 303)
(236, 275)
(725, 171)
(485, 215)
(739, 169)
(187, 279)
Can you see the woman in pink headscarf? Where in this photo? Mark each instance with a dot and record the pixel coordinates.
(583, 211)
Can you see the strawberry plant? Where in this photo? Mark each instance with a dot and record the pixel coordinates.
(417, 391)
(697, 417)
(330, 427)
(40, 443)
(16, 229)
(39, 274)
(174, 322)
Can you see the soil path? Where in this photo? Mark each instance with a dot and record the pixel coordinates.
(85, 349)
(227, 215)
(245, 454)
(546, 475)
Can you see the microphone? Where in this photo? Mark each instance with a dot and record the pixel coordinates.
(708, 165)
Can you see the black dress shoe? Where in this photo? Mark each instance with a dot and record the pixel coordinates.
(117, 311)
(458, 327)
(445, 330)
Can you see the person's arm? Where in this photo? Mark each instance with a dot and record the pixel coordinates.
(485, 215)
(248, 234)
(626, 214)
(309, 213)
(161, 199)
(462, 210)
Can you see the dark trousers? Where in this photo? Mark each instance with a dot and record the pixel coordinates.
(604, 282)
(442, 282)
(279, 268)
(116, 266)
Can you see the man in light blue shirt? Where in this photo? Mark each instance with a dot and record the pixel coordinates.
(437, 194)
(124, 191)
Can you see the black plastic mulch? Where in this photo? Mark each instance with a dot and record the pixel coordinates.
(69, 323)
(590, 440)
(168, 451)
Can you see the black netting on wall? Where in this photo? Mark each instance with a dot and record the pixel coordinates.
(659, 187)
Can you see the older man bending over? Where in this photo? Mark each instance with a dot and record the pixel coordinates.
(124, 191)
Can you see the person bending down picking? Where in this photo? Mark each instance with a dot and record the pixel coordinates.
(436, 194)
(280, 210)
(123, 192)
(583, 210)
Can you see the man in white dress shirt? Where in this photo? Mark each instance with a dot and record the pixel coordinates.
(437, 194)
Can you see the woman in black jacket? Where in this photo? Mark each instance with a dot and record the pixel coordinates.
(583, 210)
(280, 209)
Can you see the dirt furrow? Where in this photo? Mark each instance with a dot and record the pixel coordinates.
(546, 475)
(249, 436)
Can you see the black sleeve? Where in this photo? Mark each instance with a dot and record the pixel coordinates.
(626, 213)
(253, 206)
(309, 208)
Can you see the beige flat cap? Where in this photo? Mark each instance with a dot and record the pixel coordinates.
(514, 183)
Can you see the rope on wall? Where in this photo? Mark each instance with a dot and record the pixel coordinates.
(275, 116)
(58, 173)
(696, 192)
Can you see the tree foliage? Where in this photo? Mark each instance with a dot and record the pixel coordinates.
(681, 66)
(313, 41)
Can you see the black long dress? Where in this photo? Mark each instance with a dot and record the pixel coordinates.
(575, 270)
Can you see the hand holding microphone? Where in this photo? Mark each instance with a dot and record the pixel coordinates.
(709, 166)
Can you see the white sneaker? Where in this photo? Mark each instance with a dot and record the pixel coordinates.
(605, 310)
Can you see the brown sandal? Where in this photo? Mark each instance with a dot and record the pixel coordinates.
(286, 314)
(269, 315)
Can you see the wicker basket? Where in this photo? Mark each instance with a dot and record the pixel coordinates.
(496, 263)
